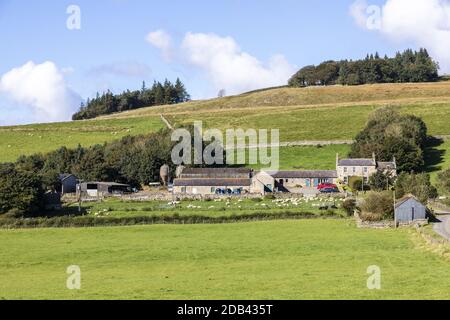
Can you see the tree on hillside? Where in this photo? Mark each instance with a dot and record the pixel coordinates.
(408, 66)
(390, 135)
(158, 94)
(222, 93)
(181, 94)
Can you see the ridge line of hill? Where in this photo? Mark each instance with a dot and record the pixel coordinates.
(199, 109)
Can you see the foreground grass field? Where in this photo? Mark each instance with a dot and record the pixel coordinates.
(313, 259)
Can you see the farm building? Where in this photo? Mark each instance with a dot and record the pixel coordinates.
(208, 181)
(212, 181)
(99, 189)
(68, 183)
(362, 168)
(210, 186)
(293, 181)
(410, 209)
(262, 183)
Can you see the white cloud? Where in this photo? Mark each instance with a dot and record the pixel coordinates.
(230, 68)
(426, 23)
(42, 89)
(122, 69)
(162, 41)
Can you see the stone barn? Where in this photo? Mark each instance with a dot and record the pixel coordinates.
(409, 209)
(210, 181)
(100, 189)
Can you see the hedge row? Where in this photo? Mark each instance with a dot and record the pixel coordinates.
(89, 221)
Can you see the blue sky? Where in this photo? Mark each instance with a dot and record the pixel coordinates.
(110, 51)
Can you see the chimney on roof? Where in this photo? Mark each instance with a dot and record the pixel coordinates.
(374, 157)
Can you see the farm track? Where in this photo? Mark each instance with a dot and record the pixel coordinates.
(443, 228)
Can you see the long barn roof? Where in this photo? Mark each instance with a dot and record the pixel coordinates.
(304, 174)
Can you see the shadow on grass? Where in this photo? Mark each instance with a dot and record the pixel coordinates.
(434, 157)
(65, 211)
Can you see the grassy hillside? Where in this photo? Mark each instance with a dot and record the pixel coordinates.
(264, 260)
(318, 113)
(307, 157)
(19, 140)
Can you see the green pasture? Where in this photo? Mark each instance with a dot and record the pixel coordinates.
(304, 259)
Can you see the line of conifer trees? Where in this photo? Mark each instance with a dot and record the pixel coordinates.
(159, 94)
(409, 66)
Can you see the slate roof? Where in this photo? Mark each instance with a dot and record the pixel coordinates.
(216, 173)
(65, 176)
(405, 199)
(387, 165)
(304, 174)
(212, 182)
(357, 163)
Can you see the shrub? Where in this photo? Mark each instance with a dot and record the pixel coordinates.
(14, 213)
(20, 191)
(371, 217)
(418, 185)
(349, 206)
(377, 206)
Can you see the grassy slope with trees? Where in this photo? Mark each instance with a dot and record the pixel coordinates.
(299, 113)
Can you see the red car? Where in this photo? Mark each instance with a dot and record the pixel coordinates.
(327, 186)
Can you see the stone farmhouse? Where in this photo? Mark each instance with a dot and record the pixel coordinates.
(210, 181)
(362, 168)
